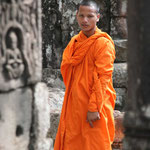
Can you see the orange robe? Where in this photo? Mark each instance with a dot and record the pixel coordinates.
(87, 68)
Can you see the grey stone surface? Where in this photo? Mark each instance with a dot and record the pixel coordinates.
(120, 75)
(56, 97)
(15, 119)
(118, 8)
(55, 116)
(59, 25)
(119, 28)
(53, 78)
(137, 117)
(41, 120)
(121, 50)
(103, 23)
(20, 40)
(121, 98)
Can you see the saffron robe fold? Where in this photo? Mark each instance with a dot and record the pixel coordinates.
(87, 67)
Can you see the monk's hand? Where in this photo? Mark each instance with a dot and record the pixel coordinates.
(92, 116)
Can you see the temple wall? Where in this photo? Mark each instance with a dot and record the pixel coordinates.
(24, 110)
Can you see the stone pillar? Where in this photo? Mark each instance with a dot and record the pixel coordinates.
(23, 99)
(137, 118)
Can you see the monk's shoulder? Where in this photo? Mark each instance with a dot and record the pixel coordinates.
(103, 44)
(100, 43)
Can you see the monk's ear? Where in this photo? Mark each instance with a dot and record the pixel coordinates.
(98, 17)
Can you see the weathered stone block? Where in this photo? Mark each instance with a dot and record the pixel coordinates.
(41, 119)
(56, 97)
(20, 40)
(52, 32)
(121, 50)
(120, 75)
(118, 8)
(15, 119)
(121, 97)
(119, 130)
(119, 28)
(53, 78)
(105, 16)
(54, 117)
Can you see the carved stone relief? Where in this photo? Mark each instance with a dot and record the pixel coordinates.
(20, 56)
(14, 60)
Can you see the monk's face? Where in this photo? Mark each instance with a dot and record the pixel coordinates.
(87, 19)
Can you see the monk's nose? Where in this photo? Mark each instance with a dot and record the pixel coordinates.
(85, 20)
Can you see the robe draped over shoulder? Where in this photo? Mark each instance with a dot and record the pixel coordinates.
(86, 68)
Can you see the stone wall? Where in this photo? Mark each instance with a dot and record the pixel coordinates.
(24, 110)
(59, 25)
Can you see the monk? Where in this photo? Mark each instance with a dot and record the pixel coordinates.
(86, 121)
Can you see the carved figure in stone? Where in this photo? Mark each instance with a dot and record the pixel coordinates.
(14, 62)
(20, 43)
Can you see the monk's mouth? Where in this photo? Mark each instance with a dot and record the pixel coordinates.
(85, 26)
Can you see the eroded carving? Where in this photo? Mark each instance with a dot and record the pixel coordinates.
(19, 41)
(14, 62)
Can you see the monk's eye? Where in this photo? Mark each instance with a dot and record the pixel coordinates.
(90, 16)
(81, 16)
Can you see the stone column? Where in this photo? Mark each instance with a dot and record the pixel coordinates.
(24, 111)
(137, 118)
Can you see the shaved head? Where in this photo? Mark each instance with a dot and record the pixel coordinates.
(89, 3)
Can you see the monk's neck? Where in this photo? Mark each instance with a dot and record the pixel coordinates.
(89, 33)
